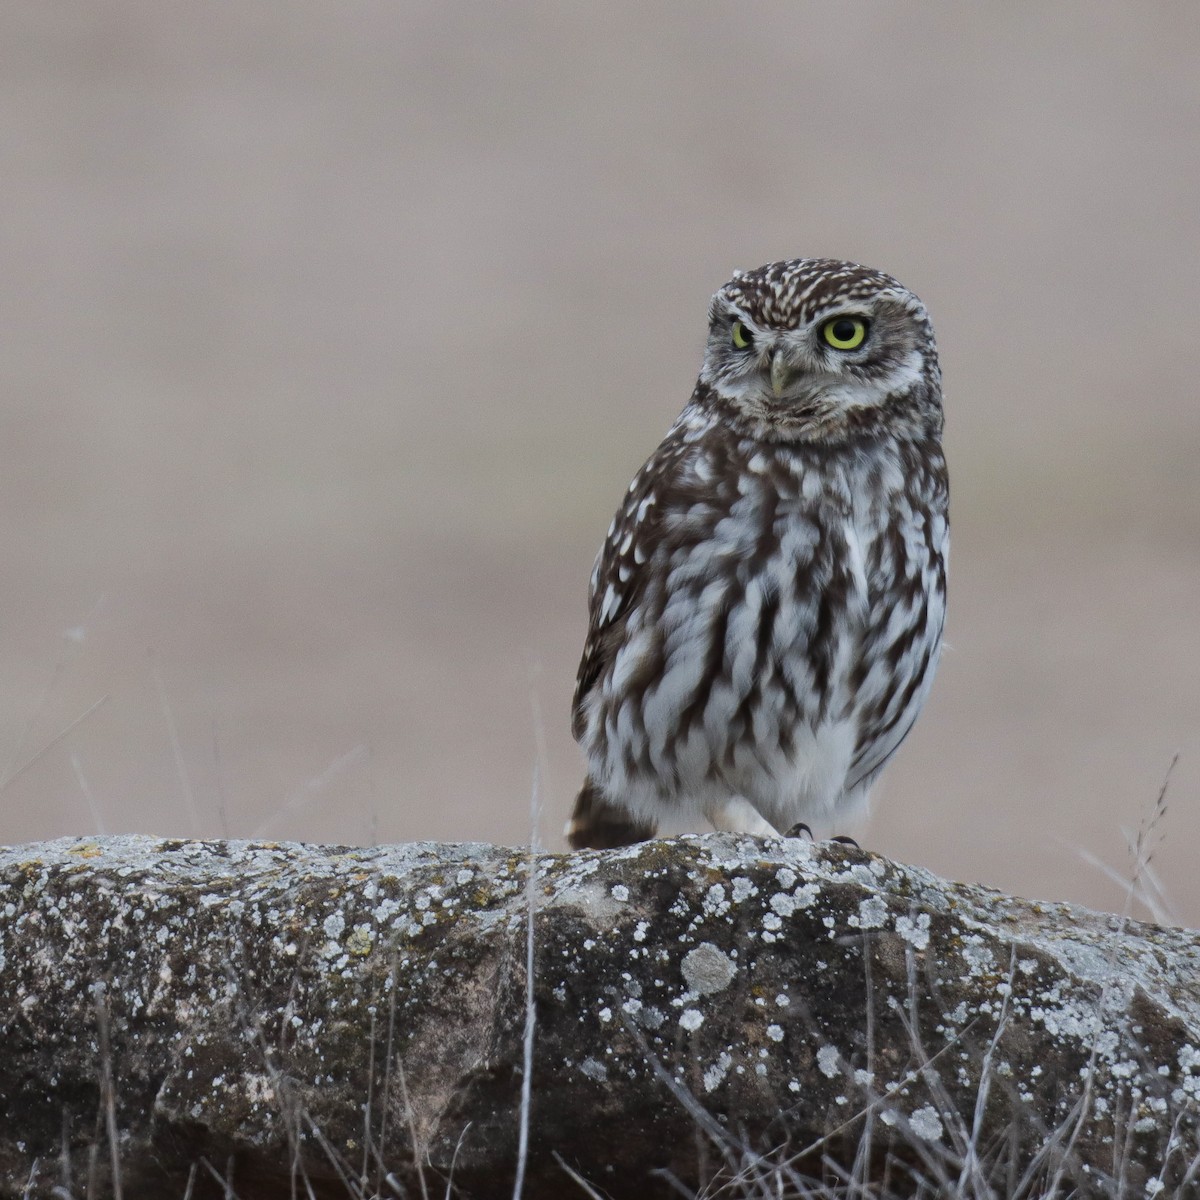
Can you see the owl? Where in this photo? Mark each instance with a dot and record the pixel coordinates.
(766, 610)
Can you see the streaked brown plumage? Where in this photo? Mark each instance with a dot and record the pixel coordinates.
(766, 611)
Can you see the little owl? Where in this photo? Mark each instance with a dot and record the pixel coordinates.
(766, 611)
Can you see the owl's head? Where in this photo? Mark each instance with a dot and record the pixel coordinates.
(815, 344)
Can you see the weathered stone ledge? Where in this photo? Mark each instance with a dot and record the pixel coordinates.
(281, 1014)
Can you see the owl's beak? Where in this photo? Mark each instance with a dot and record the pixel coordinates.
(780, 371)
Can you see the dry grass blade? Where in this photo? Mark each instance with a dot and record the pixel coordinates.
(223, 1181)
(576, 1178)
(185, 783)
(108, 1091)
(54, 741)
(531, 878)
(313, 787)
(418, 1149)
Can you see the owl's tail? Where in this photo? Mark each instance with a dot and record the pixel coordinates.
(598, 824)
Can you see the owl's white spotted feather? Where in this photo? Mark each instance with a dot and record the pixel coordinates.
(767, 608)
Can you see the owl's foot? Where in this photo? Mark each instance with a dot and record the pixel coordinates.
(799, 830)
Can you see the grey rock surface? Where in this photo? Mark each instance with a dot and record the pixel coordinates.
(294, 1019)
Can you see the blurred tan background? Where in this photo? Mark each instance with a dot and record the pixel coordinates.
(333, 333)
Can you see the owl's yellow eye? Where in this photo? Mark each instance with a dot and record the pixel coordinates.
(844, 333)
(743, 339)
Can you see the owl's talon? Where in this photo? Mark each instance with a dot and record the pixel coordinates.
(845, 841)
(799, 830)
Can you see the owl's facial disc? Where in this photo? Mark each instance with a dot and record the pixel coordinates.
(844, 356)
(796, 349)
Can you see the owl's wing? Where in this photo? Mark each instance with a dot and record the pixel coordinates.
(619, 576)
(913, 651)
(872, 752)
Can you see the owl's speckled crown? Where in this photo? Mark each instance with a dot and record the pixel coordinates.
(785, 295)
